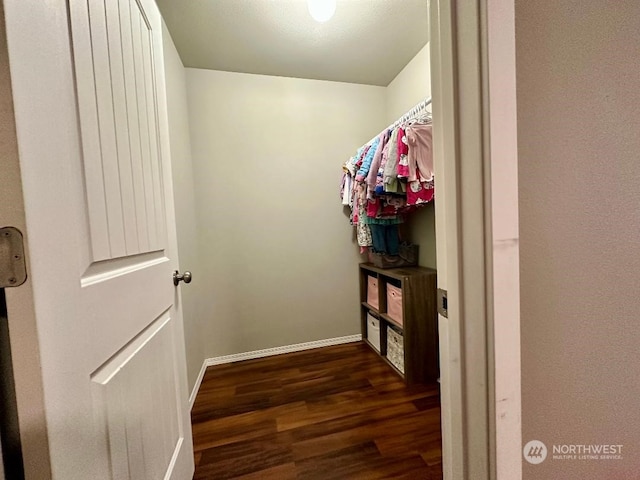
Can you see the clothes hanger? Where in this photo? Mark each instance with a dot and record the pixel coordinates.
(425, 116)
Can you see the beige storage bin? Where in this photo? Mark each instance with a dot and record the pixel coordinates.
(373, 331)
(395, 348)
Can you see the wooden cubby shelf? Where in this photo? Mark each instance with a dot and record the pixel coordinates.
(419, 323)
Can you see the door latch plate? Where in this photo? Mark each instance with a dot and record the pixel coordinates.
(13, 270)
(443, 307)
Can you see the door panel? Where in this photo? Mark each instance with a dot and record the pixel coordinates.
(120, 120)
(135, 393)
(133, 119)
(105, 125)
(129, 308)
(119, 123)
(150, 90)
(143, 121)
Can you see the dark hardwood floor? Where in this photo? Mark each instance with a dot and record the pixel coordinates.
(330, 413)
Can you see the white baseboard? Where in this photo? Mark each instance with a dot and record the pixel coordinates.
(196, 387)
(267, 352)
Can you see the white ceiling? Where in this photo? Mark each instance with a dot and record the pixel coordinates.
(367, 41)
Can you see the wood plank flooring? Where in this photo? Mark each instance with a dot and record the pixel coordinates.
(329, 413)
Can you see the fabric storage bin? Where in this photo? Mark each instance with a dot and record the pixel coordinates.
(394, 303)
(372, 291)
(395, 348)
(373, 331)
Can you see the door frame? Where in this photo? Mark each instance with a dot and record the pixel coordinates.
(475, 157)
(25, 350)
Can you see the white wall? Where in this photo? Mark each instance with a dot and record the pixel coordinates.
(578, 147)
(278, 259)
(412, 85)
(185, 207)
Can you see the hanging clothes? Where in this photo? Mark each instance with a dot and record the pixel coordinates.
(419, 193)
(347, 190)
(420, 155)
(375, 165)
(379, 186)
(366, 162)
(386, 180)
(403, 152)
(386, 239)
(363, 232)
(390, 170)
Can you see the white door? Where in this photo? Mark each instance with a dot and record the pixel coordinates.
(91, 120)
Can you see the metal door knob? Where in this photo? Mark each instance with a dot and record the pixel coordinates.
(181, 277)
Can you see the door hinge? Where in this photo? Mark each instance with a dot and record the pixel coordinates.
(442, 303)
(13, 269)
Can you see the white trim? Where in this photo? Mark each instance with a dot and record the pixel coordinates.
(196, 386)
(503, 144)
(267, 352)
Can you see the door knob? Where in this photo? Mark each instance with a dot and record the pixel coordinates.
(185, 277)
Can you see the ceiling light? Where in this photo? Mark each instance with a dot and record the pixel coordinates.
(321, 10)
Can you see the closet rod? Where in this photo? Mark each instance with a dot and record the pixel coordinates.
(411, 114)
